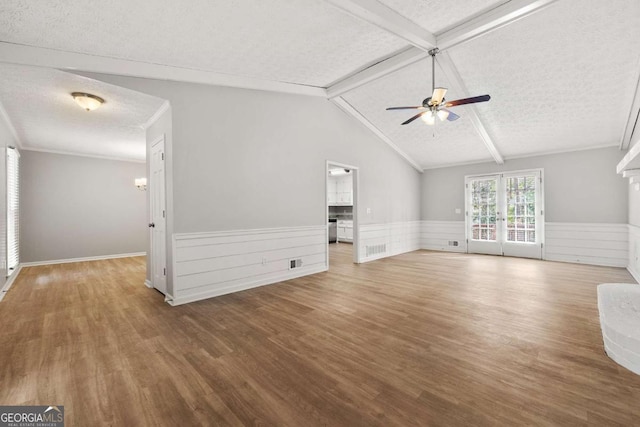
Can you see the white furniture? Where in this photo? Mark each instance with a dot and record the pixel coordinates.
(345, 230)
(340, 190)
(619, 307)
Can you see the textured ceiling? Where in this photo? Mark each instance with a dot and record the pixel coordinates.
(560, 79)
(437, 15)
(309, 42)
(46, 117)
(444, 143)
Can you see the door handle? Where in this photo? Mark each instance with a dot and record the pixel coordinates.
(152, 225)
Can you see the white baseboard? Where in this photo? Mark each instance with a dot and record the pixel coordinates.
(634, 274)
(216, 292)
(84, 259)
(148, 284)
(10, 281)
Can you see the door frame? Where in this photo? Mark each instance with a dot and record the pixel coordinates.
(540, 218)
(154, 257)
(356, 194)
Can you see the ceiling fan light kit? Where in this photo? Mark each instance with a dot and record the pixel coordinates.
(435, 105)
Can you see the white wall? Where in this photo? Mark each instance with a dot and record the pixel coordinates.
(76, 207)
(634, 226)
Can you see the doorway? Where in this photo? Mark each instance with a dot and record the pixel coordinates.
(158, 216)
(504, 214)
(341, 197)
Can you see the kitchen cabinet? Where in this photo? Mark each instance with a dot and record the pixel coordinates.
(345, 231)
(340, 190)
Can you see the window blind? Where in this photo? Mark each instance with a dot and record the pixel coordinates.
(13, 209)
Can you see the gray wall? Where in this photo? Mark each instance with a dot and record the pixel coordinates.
(246, 159)
(581, 186)
(6, 139)
(74, 207)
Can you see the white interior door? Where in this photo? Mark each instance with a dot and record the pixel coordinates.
(504, 214)
(158, 217)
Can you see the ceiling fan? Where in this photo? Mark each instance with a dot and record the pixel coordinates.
(436, 105)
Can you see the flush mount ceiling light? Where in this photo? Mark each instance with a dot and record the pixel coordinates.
(87, 101)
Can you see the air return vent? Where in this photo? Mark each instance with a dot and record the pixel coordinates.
(453, 243)
(295, 263)
(371, 250)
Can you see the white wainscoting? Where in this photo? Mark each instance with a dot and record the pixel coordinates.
(385, 240)
(437, 235)
(586, 243)
(212, 264)
(634, 252)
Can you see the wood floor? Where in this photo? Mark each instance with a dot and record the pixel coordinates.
(424, 338)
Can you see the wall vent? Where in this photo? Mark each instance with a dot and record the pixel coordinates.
(375, 249)
(295, 263)
(453, 243)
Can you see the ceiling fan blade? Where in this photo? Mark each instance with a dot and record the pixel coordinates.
(472, 100)
(438, 95)
(414, 117)
(451, 116)
(406, 108)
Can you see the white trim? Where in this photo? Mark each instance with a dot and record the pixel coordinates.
(631, 160)
(635, 275)
(164, 107)
(72, 61)
(375, 13)
(148, 284)
(350, 110)
(92, 156)
(12, 129)
(495, 18)
(631, 173)
(632, 120)
(83, 259)
(12, 278)
(253, 231)
(241, 287)
(454, 78)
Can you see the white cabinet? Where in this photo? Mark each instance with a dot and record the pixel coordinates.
(340, 190)
(345, 231)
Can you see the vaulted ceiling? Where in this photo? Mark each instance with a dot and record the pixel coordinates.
(562, 74)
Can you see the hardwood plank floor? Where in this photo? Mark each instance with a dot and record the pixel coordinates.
(424, 338)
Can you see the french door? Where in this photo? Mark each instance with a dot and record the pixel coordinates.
(504, 214)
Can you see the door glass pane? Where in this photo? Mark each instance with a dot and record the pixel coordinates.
(521, 208)
(483, 209)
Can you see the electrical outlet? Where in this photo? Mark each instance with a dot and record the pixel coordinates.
(264, 261)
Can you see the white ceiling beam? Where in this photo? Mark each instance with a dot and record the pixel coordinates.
(381, 69)
(451, 72)
(498, 17)
(632, 120)
(631, 173)
(349, 109)
(376, 13)
(42, 57)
